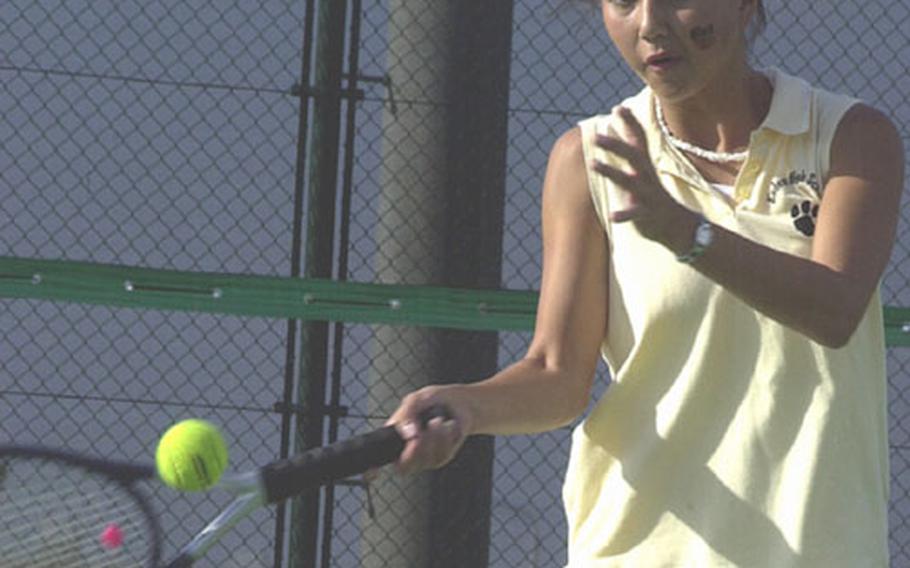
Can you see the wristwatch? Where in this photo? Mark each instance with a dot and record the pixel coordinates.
(704, 236)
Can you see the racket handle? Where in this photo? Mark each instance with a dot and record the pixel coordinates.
(316, 467)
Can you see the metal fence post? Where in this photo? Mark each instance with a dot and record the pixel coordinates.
(318, 263)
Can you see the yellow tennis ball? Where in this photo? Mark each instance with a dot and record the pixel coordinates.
(191, 455)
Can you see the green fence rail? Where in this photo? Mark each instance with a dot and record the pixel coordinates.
(266, 296)
(305, 299)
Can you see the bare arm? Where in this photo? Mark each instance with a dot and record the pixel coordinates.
(551, 385)
(852, 243)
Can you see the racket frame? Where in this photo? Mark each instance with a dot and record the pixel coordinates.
(124, 474)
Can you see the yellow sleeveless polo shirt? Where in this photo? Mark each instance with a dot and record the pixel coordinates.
(727, 439)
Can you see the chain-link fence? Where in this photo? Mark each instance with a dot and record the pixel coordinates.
(382, 141)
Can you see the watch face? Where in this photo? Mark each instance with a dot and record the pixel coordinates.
(704, 234)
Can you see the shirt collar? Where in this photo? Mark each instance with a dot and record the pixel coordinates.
(790, 104)
(788, 114)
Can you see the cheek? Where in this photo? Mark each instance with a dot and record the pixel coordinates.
(623, 38)
(703, 36)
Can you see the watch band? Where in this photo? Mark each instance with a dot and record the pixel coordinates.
(704, 236)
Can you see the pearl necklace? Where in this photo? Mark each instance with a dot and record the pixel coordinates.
(709, 155)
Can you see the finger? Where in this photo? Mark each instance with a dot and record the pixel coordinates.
(406, 416)
(447, 439)
(628, 181)
(626, 215)
(419, 445)
(634, 209)
(633, 132)
(624, 150)
(407, 429)
(408, 462)
(401, 414)
(434, 447)
(447, 429)
(619, 125)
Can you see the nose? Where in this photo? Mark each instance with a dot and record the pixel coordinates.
(653, 20)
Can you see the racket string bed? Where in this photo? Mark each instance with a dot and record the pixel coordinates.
(57, 517)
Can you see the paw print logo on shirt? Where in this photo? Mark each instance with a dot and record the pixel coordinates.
(804, 216)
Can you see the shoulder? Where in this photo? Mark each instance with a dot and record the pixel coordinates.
(866, 144)
(865, 120)
(569, 145)
(567, 163)
(566, 184)
(566, 169)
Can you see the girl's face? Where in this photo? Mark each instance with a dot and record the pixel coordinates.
(678, 47)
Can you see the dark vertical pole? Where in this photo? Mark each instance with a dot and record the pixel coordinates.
(344, 241)
(296, 257)
(478, 95)
(320, 237)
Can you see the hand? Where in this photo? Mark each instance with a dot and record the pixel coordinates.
(436, 444)
(656, 215)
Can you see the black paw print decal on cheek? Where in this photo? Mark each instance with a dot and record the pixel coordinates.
(804, 216)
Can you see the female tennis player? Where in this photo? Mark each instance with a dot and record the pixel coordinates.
(719, 238)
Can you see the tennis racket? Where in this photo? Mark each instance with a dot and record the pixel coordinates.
(61, 509)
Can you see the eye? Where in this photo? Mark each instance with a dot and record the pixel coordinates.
(622, 3)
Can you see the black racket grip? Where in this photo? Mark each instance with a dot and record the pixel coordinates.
(316, 467)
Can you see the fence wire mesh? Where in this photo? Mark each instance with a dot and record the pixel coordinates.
(178, 136)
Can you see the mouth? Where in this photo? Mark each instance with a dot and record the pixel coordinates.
(661, 60)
